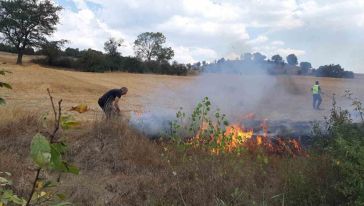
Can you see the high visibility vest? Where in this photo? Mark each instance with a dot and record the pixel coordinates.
(315, 89)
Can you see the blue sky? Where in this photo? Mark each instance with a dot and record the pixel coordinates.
(318, 31)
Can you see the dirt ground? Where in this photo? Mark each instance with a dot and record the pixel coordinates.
(30, 82)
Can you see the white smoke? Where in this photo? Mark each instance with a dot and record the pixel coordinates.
(234, 94)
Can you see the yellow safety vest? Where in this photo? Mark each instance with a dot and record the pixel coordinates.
(315, 89)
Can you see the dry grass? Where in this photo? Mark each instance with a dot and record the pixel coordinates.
(119, 166)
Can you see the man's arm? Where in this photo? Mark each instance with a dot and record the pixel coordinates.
(116, 104)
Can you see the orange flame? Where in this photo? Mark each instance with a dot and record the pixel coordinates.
(236, 137)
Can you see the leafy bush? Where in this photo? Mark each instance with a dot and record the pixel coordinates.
(71, 52)
(7, 195)
(333, 71)
(343, 142)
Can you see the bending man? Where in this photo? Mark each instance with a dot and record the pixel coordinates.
(109, 102)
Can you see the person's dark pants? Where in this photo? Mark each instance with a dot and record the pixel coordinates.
(107, 108)
(316, 101)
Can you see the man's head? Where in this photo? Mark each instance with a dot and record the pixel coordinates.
(124, 90)
(317, 82)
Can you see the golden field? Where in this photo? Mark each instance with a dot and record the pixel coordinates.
(288, 98)
(120, 166)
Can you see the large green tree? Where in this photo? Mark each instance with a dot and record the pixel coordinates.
(292, 59)
(27, 23)
(149, 46)
(277, 59)
(305, 67)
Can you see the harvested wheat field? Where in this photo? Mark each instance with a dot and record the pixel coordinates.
(286, 97)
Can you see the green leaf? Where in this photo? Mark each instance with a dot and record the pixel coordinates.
(60, 147)
(56, 160)
(4, 181)
(17, 200)
(73, 169)
(6, 85)
(40, 150)
(68, 122)
(61, 196)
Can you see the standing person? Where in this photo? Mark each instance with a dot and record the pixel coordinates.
(316, 95)
(109, 102)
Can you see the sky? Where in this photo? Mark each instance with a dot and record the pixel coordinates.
(318, 31)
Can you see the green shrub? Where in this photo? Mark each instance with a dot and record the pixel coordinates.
(343, 143)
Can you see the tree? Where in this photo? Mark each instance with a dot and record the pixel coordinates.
(333, 70)
(71, 52)
(92, 61)
(277, 59)
(258, 57)
(27, 23)
(292, 59)
(165, 54)
(305, 66)
(221, 61)
(52, 50)
(149, 46)
(111, 46)
(246, 57)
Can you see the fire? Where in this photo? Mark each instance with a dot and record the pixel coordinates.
(237, 137)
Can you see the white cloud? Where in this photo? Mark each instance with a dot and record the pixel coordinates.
(208, 29)
(277, 43)
(286, 51)
(193, 54)
(220, 12)
(259, 40)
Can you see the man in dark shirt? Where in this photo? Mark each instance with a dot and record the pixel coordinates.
(109, 102)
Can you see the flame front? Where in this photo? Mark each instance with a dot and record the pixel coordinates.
(237, 137)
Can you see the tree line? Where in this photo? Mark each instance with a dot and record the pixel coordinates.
(151, 56)
(257, 63)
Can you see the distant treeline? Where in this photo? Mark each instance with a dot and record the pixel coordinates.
(11, 49)
(256, 63)
(95, 61)
(90, 60)
(148, 59)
